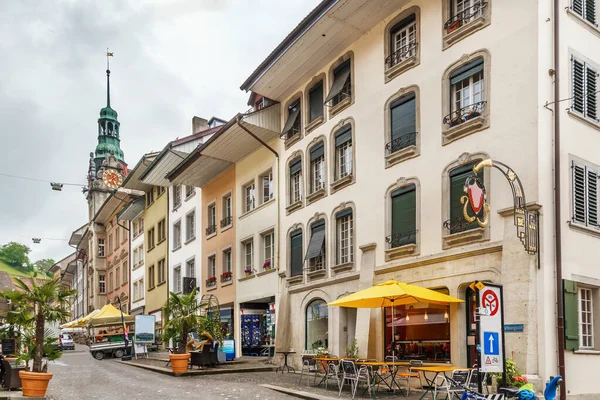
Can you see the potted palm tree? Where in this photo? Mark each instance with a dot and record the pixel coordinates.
(182, 313)
(49, 301)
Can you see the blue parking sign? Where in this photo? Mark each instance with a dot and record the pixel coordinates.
(491, 344)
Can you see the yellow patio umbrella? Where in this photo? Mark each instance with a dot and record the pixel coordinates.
(392, 293)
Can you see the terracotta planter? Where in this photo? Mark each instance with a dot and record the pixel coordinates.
(34, 384)
(454, 26)
(179, 362)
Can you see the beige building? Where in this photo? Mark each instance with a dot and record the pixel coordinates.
(385, 108)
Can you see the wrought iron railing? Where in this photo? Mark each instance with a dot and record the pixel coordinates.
(404, 52)
(316, 264)
(464, 114)
(408, 139)
(226, 221)
(458, 224)
(401, 238)
(226, 277)
(346, 92)
(210, 282)
(211, 229)
(465, 16)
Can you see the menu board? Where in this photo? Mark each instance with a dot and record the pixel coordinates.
(8, 346)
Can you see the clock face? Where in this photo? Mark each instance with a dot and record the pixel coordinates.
(112, 179)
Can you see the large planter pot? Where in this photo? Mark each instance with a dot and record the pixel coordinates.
(34, 384)
(179, 362)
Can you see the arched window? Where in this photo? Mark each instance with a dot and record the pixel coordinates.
(317, 321)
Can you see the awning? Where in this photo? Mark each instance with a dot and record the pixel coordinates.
(316, 244)
(115, 202)
(338, 85)
(291, 121)
(228, 146)
(108, 315)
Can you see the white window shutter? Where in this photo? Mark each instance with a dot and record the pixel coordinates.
(579, 195)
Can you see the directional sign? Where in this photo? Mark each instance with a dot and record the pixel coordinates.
(490, 343)
(491, 324)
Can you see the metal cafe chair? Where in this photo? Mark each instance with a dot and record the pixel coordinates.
(349, 373)
(309, 365)
(408, 375)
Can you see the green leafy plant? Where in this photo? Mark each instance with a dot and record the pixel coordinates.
(513, 376)
(183, 317)
(51, 350)
(352, 350)
(211, 323)
(317, 344)
(41, 303)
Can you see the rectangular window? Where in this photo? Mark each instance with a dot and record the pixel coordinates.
(189, 191)
(141, 288)
(190, 267)
(211, 219)
(317, 168)
(403, 119)
(586, 9)
(117, 278)
(585, 89)
(117, 237)
(161, 271)
(190, 226)
(227, 216)
(160, 190)
(315, 102)
(342, 84)
(102, 284)
(268, 247)
(162, 230)
(177, 279)
(586, 319)
(135, 228)
(467, 10)
(249, 197)
(125, 272)
(585, 194)
(404, 216)
(227, 260)
(248, 256)
(110, 282)
(151, 277)
(343, 153)
(295, 181)
(150, 238)
(176, 196)
(403, 38)
(467, 92)
(150, 197)
(458, 177)
(212, 266)
(267, 186)
(177, 235)
(296, 253)
(100, 247)
(110, 243)
(292, 124)
(316, 248)
(141, 226)
(345, 237)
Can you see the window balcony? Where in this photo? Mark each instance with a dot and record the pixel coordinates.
(466, 22)
(401, 60)
(464, 121)
(211, 282)
(226, 277)
(401, 244)
(225, 222)
(211, 229)
(460, 232)
(401, 148)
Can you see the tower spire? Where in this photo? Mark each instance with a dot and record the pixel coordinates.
(108, 54)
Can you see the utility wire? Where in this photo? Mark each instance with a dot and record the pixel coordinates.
(40, 180)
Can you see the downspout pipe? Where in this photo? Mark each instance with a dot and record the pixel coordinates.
(560, 318)
(262, 142)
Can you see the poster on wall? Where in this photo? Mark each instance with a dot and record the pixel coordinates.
(144, 329)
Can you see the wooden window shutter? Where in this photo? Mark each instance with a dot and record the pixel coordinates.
(592, 197)
(578, 71)
(404, 213)
(296, 257)
(591, 97)
(590, 10)
(577, 6)
(571, 315)
(579, 206)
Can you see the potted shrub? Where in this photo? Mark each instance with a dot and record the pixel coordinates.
(267, 265)
(182, 313)
(46, 302)
(352, 350)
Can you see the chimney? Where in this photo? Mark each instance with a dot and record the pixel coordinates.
(199, 124)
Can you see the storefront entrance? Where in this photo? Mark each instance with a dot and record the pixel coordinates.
(258, 327)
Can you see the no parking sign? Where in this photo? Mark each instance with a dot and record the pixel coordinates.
(490, 328)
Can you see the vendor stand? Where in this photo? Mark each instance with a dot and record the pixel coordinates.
(107, 334)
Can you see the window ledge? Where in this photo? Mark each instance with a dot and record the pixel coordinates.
(314, 124)
(316, 195)
(176, 248)
(150, 249)
(295, 280)
(401, 155)
(339, 107)
(161, 283)
(464, 129)
(255, 209)
(402, 66)
(401, 252)
(211, 288)
(160, 241)
(317, 274)
(223, 284)
(587, 24)
(176, 207)
(293, 207)
(292, 140)
(585, 229)
(190, 196)
(190, 240)
(465, 237)
(592, 123)
(339, 268)
(223, 229)
(212, 235)
(245, 278)
(266, 271)
(341, 183)
(587, 351)
(465, 30)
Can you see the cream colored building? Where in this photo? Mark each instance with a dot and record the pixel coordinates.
(415, 93)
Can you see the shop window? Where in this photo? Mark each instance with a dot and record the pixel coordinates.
(418, 331)
(317, 325)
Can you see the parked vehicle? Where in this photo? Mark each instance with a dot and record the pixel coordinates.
(65, 342)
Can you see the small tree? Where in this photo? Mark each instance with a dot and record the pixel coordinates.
(183, 317)
(15, 254)
(48, 302)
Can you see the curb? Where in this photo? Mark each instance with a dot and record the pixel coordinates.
(200, 372)
(298, 393)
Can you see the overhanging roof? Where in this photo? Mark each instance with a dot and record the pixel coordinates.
(228, 146)
(133, 179)
(114, 203)
(168, 159)
(327, 30)
(132, 210)
(77, 235)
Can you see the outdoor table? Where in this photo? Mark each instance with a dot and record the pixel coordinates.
(438, 369)
(285, 366)
(393, 371)
(324, 361)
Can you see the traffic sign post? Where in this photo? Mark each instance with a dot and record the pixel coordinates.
(490, 330)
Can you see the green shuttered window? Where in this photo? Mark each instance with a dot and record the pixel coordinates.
(404, 216)
(296, 257)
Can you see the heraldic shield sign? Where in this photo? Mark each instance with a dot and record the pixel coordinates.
(475, 206)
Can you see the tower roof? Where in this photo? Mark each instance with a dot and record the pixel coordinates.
(108, 112)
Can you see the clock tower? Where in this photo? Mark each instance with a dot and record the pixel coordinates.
(107, 168)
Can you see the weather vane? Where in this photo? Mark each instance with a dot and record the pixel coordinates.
(108, 54)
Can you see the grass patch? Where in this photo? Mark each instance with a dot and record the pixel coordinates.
(14, 271)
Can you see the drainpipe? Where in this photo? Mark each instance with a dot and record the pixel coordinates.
(560, 318)
(238, 118)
